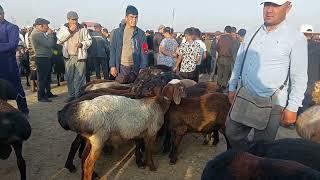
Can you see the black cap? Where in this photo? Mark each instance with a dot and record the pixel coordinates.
(131, 10)
(40, 21)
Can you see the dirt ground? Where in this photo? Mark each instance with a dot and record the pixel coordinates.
(46, 151)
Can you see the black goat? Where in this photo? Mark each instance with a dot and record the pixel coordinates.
(233, 165)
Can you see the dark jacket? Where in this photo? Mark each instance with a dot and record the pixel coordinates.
(140, 48)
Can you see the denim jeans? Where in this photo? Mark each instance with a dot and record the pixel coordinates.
(103, 63)
(75, 75)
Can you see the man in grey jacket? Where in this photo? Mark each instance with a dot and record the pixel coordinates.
(42, 44)
(76, 41)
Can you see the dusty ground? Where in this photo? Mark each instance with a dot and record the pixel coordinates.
(46, 151)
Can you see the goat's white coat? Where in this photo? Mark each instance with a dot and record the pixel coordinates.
(120, 116)
(103, 85)
(308, 123)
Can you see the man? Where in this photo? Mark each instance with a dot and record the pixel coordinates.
(76, 41)
(203, 51)
(9, 39)
(128, 53)
(157, 38)
(277, 53)
(43, 43)
(189, 57)
(225, 58)
(101, 51)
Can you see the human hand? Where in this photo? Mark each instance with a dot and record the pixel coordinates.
(50, 31)
(231, 96)
(114, 72)
(288, 118)
(79, 45)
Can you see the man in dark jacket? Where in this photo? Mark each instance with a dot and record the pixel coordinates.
(9, 39)
(128, 53)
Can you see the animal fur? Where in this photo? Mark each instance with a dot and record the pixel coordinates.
(308, 124)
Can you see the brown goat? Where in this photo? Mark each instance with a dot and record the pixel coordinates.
(203, 114)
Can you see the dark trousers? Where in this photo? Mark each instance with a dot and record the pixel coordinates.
(44, 66)
(194, 75)
(9, 71)
(89, 68)
(103, 63)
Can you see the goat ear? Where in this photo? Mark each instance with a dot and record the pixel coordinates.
(176, 95)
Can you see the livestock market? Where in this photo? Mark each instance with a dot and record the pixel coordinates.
(150, 90)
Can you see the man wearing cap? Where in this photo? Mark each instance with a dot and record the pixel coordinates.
(76, 41)
(128, 53)
(9, 39)
(100, 52)
(275, 68)
(42, 41)
(158, 37)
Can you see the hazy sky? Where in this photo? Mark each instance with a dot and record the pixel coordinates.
(208, 15)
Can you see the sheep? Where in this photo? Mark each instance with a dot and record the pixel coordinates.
(204, 114)
(316, 93)
(14, 129)
(105, 116)
(234, 165)
(299, 150)
(105, 84)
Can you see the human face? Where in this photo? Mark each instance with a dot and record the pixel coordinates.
(274, 14)
(98, 29)
(72, 21)
(131, 20)
(44, 27)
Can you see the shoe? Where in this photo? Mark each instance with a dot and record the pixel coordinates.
(45, 99)
(70, 99)
(50, 95)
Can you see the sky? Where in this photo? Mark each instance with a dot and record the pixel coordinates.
(207, 15)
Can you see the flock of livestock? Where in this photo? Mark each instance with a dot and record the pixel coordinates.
(160, 107)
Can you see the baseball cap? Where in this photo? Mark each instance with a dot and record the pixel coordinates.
(72, 15)
(40, 21)
(278, 2)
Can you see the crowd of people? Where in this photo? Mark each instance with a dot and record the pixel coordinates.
(265, 71)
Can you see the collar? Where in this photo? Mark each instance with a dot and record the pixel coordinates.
(279, 27)
(3, 22)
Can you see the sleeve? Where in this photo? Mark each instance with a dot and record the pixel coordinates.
(113, 46)
(144, 52)
(13, 40)
(233, 82)
(87, 40)
(298, 74)
(63, 35)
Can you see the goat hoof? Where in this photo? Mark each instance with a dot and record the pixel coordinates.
(141, 165)
(152, 168)
(173, 161)
(215, 143)
(72, 168)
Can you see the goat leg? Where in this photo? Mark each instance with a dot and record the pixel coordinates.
(139, 153)
(215, 135)
(223, 132)
(166, 142)
(91, 154)
(73, 149)
(150, 143)
(81, 148)
(20, 161)
(207, 138)
(174, 151)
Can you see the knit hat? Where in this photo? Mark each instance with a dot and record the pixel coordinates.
(131, 10)
(72, 15)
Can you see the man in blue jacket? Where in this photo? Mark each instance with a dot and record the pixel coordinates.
(128, 52)
(9, 39)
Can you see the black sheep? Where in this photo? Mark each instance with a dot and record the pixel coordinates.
(299, 150)
(14, 129)
(233, 165)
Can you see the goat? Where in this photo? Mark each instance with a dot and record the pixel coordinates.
(105, 116)
(14, 129)
(233, 165)
(316, 93)
(204, 114)
(299, 150)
